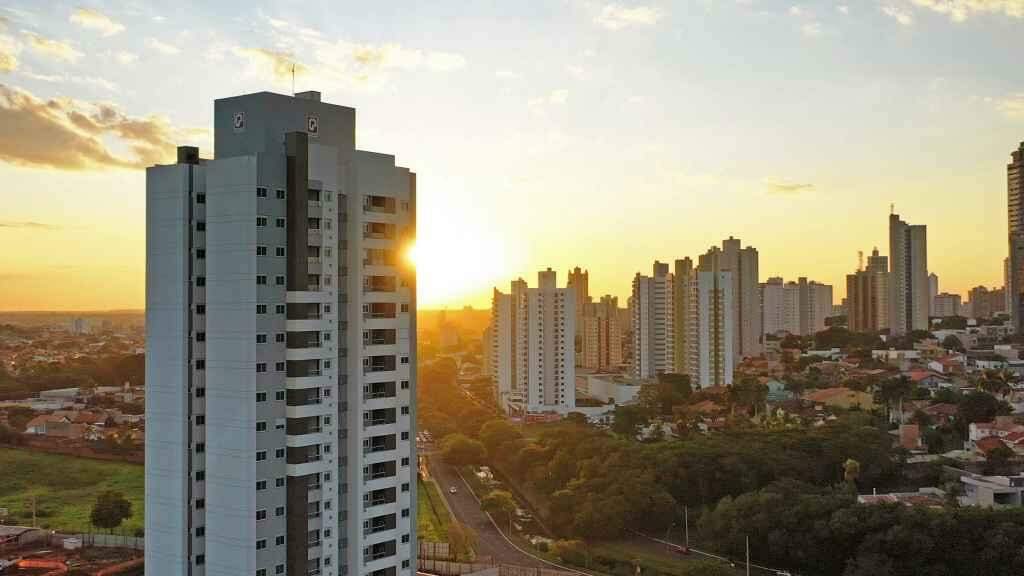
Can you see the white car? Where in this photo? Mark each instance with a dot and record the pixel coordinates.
(452, 490)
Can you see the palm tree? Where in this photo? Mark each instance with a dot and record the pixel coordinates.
(996, 382)
(893, 391)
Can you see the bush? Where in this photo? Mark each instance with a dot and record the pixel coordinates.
(570, 551)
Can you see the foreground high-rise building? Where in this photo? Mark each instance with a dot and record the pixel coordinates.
(867, 296)
(532, 330)
(652, 310)
(1015, 213)
(280, 359)
(909, 292)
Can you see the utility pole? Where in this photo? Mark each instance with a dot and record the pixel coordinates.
(748, 555)
(686, 523)
(34, 523)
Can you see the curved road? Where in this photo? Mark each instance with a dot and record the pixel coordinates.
(465, 507)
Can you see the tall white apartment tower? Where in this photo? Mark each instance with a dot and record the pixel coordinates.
(1014, 267)
(715, 324)
(533, 360)
(652, 311)
(280, 360)
(746, 293)
(909, 296)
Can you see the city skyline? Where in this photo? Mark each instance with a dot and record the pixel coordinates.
(550, 116)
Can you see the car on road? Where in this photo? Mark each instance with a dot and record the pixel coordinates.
(681, 550)
(452, 490)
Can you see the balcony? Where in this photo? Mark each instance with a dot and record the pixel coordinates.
(378, 231)
(302, 368)
(380, 284)
(303, 311)
(300, 340)
(304, 454)
(378, 364)
(380, 444)
(379, 390)
(379, 204)
(303, 397)
(380, 310)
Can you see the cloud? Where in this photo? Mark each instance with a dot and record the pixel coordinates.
(72, 135)
(9, 50)
(812, 29)
(843, 9)
(94, 20)
(617, 17)
(507, 75)
(276, 64)
(1012, 106)
(785, 187)
(577, 72)
(27, 225)
(94, 81)
(445, 61)
(55, 49)
(961, 10)
(125, 58)
(558, 97)
(162, 47)
(899, 14)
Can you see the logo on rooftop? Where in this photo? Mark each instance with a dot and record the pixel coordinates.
(238, 121)
(313, 126)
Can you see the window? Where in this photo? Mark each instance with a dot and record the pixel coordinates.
(200, 392)
(405, 487)
(405, 563)
(405, 307)
(279, 337)
(261, 250)
(261, 221)
(200, 447)
(327, 532)
(405, 384)
(279, 367)
(327, 448)
(200, 281)
(261, 192)
(279, 395)
(405, 512)
(261, 426)
(405, 461)
(261, 367)
(405, 359)
(279, 309)
(200, 559)
(200, 531)
(200, 364)
(200, 420)
(405, 435)
(279, 569)
(260, 571)
(327, 503)
(261, 485)
(261, 338)
(279, 222)
(327, 308)
(279, 280)
(279, 511)
(279, 541)
(279, 453)
(327, 364)
(279, 482)
(201, 226)
(200, 309)
(200, 198)
(261, 280)
(200, 475)
(279, 251)
(261, 544)
(261, 515)
(261, 308)
(261, 396)
(200, 504)
(327, 476)
(200, 254)
(405, 410)
(200, 336)
(327, 336)
(261, 455)
(280, 194)
(405, 538)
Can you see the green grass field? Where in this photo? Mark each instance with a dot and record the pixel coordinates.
(431, 514)
(65, 488)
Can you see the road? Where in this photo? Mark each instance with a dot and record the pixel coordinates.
(465, 507)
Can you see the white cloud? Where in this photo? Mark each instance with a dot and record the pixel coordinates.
(95, 20)
(507, 75)
(93, 81)
(445, 61)
(616, 16)
(126, 58)
(960, 10)
(796, 11)
(1012, 106)
(843, 9)
(812, 29)
(9, 50)
(55, 49)
(899, 14)
(559, 96)
(162, 47)
(577, 72)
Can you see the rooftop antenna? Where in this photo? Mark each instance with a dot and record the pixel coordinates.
(293, 78)
(860, 260)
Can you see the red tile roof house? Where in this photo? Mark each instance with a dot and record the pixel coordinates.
(986, 445)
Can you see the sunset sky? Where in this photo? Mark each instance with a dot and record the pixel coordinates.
(544, 132)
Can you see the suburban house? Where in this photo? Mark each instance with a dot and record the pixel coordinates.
(841, 397)
(990, 491)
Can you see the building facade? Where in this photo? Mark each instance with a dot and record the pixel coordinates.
(946, 305)
(799, 308)
(909, 296)
(746, 297)
(601, 335)
(867, 296)
(652, 310)
(715, 358)
(280, 359)
(533, 359)
(985, 302)
(1015, 216)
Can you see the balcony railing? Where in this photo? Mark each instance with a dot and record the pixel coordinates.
(377, 475)
(313, 544)
(377, 422)
(313, 514)
(312, 487)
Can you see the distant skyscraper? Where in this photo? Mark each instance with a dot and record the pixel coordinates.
(579, 283)
(798, 308)
(947, 305)
(908, 279)
(715, 323)
(602, 337)
(933, 291)
(985, 303)
(532, 358)
(746, 297)
(684, 314)
(1015, 213)
(280, 350)
(867, 296)
(653, 323)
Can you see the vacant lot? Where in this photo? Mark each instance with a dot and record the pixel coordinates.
(65, 488)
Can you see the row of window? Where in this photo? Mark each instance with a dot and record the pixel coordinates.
(262, 193)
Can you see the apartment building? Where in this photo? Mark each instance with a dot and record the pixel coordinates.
(600, 335)
(946, 304)
(532, 355)
(746, 297)
(716, 353)
(652, 316)
(867, 296)
(281, 323)
(799, 307)
(909, 292)
(1014, 267)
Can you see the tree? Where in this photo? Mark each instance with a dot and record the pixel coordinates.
(893, 391)
(996, 382)
(748, 392)
(978, 407)
(495, 433)
(998, 459)
(951, 342)
(460, 450)
(111, 508)
(462, 539)
(18, 417)
(851, 471)
(500, 502)
(628, 419)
